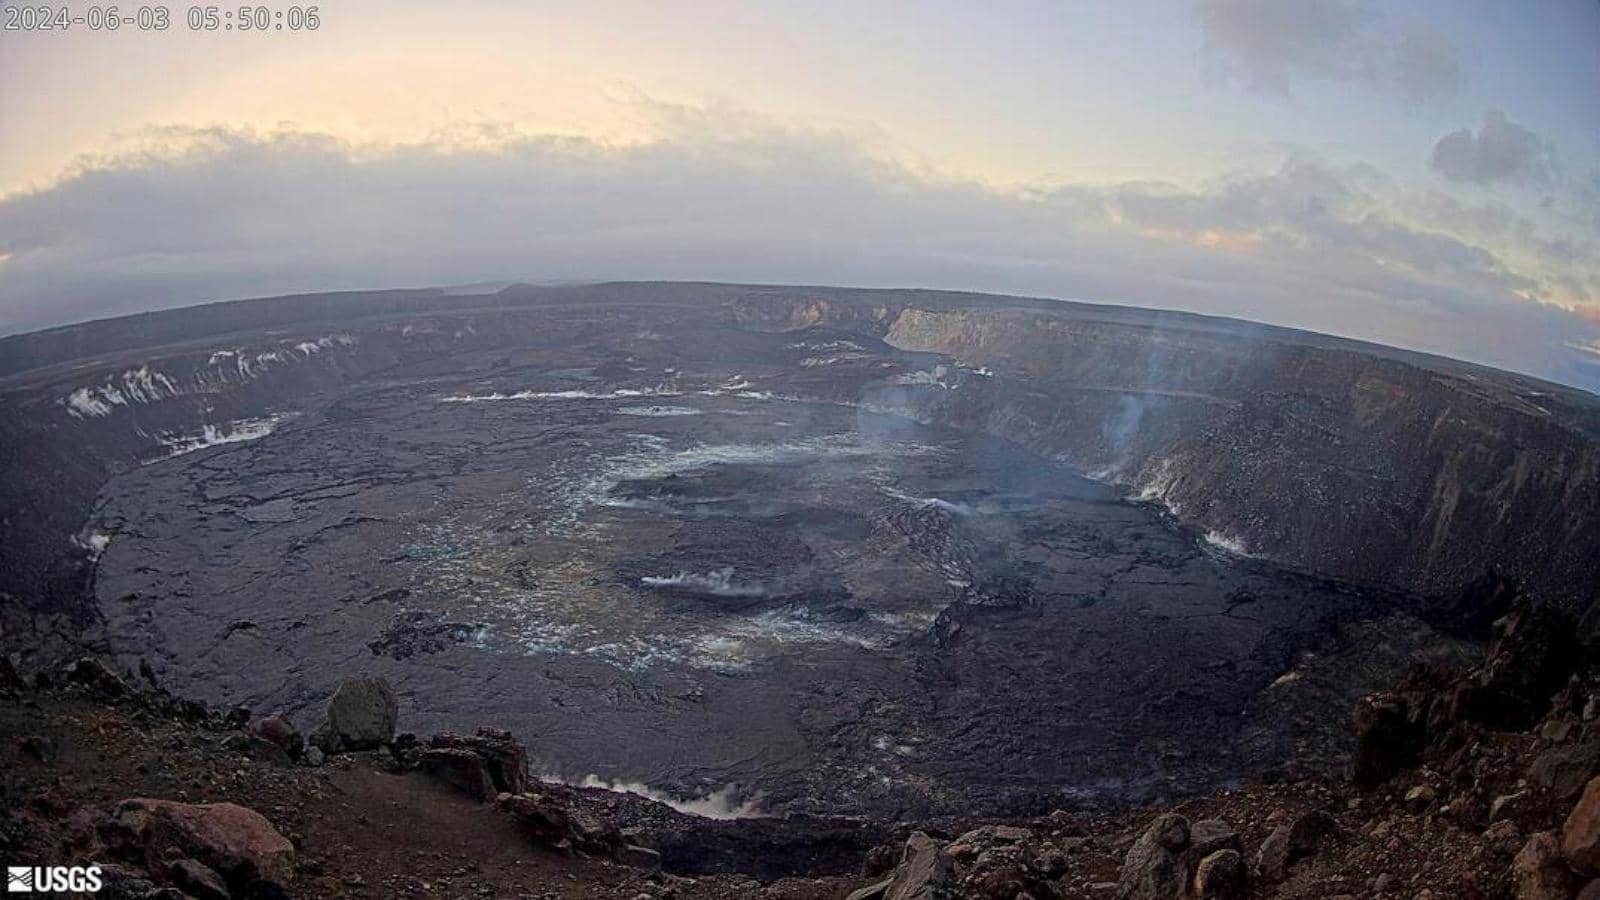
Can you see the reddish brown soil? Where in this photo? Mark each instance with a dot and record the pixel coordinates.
(359, 831)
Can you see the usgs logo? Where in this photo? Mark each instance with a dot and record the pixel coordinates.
(49, 879)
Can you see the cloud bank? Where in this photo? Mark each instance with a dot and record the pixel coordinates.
(211, 214)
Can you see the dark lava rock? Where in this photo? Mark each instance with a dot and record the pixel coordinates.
(1565, 770)
(97, 675)
(238, 717)
(1293, 841)
(279, 731)
(198, 880)
(119, 883)
(1208, 836)
(545, 818)
(1169, 831)
(552, 822)
(263, 750)
(1153, 869)
(504, 759)
(418, 631)
(188, 709)
(924, 872)
(361, 716)
(463, 770)
(1221, 875)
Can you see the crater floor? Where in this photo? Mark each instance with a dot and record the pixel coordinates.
(685, 581)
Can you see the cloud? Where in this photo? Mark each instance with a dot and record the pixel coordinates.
(1269, 45)
(1425, 64)
(1501, 151)
(214, 213)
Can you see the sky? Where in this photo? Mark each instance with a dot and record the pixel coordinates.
(1423, 174)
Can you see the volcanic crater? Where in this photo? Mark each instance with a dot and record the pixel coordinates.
(805, 550)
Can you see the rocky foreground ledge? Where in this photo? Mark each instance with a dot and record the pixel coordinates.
(1477, 784)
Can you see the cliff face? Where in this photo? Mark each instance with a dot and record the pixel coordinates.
(1364, 465)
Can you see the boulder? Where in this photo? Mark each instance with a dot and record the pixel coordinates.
(120, 883)
(1591, 891)
(1538, 873)
(1050, 862)
(1001, 880)
(593, 832)
(361, 716)
(552, 822)
(1207, 836)
(1221, 875)
(263, 750)
(924, 872)
(504, 759)
(1507, 806)
(238, 716)
(1152, 869)
(278, 730)
(188, 710)
(1009, 834)
(1580, 836)
(1558, 731)
(1169, 831)
(1419, 798)
(978, 840)
(198, 880)
(96, 675)
(547, 819)
(1293, 841)
(1503, 838)
(463, 770)
(1565, 769)
(237, 843)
